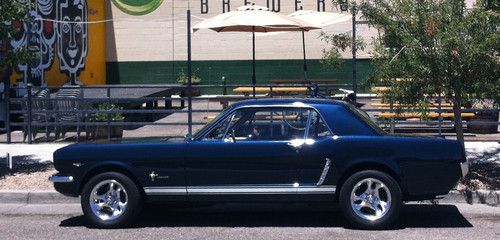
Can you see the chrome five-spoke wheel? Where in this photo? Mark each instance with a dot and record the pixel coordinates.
(108, 200)
(370, 199)
(111, 200)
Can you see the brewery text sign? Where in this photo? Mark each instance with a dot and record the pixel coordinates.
(207, 7)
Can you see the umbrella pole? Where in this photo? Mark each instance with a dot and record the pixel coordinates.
(305, 62)
(253, 60)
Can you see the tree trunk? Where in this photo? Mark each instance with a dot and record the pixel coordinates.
(458, 120)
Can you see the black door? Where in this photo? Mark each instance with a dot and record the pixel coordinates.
(249, 156)
(316, 163)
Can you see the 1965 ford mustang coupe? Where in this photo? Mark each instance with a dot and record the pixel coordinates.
(280, 150)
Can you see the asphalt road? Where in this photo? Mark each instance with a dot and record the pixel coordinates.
(418, 221)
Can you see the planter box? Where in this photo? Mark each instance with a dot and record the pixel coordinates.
(484, 129)
(101, 132)
(195, 91)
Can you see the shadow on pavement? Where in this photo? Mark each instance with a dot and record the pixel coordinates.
(412, 216)
(23, 164)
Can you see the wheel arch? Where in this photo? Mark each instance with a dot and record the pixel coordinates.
(368, 165)
(113, 166)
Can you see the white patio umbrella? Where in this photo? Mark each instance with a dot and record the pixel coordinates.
(320, 19)
(252, 18)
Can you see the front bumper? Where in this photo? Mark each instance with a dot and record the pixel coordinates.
(465, 168)
(61, 179)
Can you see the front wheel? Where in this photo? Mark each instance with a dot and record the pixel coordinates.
(110, 200)
(370, 199)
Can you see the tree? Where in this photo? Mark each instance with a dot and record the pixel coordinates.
(436, 47)
(12, 15)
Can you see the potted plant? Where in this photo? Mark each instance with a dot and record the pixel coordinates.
(182, 78)
(107, 112)
(486, 116)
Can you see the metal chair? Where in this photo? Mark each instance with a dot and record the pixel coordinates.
(40, 102)
(67, 105)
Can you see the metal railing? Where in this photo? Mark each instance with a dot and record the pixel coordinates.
(158, 103)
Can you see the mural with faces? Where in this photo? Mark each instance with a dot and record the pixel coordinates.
(39, 36)
(72, 36)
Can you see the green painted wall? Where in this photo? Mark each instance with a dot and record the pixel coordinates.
(235, 72)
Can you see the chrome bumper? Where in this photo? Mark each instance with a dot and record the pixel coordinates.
(465, 168)
(61, 179)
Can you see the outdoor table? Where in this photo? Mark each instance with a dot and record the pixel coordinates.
(279, 90)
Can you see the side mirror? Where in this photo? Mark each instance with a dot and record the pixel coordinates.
(188, 137)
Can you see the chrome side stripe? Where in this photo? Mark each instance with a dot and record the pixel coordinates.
(165, 190)
(228, 190)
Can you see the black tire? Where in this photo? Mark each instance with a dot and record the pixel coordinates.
(134, 201)
(349, 213)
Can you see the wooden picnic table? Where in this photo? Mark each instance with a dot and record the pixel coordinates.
(272, 90)
(301, 81)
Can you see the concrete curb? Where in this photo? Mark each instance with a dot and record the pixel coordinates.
(35, 197)
(488, 197)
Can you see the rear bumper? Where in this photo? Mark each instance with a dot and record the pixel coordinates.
(465, 168)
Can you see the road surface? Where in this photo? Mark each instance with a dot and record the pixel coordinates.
(418, 221)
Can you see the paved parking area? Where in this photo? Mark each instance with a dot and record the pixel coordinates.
(418, 221)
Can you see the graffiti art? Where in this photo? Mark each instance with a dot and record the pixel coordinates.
(137, 7)
(72, 36)
(39, 37)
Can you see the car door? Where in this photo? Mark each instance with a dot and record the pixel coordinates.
(316, 161)
(248, 156)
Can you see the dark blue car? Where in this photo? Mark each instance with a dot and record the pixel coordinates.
(279, 150)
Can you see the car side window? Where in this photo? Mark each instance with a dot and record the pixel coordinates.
(219, 132)
(269, 124)
(318, 127)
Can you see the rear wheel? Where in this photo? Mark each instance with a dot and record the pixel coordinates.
(110, 200)
(370, 199)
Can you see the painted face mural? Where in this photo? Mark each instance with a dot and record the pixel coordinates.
(39, 36)
(72, 36)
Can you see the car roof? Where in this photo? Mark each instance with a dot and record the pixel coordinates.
(286, 101)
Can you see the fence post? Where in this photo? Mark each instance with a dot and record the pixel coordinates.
(190, 93)
(30, 105)
(440, 117)
(108, 94)
(79, 114)
(224, 87)
(9, 161)
(7, 109)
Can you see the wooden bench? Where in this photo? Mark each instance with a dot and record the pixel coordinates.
(396, 105)
(418, 115)
(302, 81)
(271, 90)
(380, 89)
